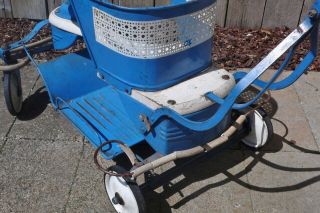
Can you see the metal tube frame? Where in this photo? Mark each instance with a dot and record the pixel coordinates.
(310, 26)
(15, 51)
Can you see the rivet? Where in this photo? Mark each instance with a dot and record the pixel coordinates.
(312, 13)
(226, 77)
(171, 102)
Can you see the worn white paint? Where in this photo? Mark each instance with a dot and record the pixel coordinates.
(64, 24)
(189, 96)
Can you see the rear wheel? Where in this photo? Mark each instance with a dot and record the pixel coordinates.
(13, 92)
(261, 129)
(124, 193)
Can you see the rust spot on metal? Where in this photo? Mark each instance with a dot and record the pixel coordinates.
(312, 13)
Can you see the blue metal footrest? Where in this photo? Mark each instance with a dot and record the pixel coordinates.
(100, 118)
(94, 107)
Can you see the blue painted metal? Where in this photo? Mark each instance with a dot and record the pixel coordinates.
(98, 110)
(169, 136)
(30, 36)
(62, 39)
(102, 110)
(292, 78)
(145, 74)
(309, 26)
(2, 54)
(176, 8)
(65, 11)
(25, 40)
(239, 75)
(301, 68)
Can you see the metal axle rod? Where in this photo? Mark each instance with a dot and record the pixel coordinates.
(23, 62)
(191, 152)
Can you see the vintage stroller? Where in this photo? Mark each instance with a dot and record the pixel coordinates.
(146, 77)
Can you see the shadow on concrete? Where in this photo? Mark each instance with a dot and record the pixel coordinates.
(34, 105)
(218, 162)
(200, 167)
(212, 164)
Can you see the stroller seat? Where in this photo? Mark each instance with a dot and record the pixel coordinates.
(188, 96)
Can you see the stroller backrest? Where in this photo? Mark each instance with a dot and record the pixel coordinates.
(147, 48)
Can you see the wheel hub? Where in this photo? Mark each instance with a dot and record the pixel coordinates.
(117, 199)
(124, 194)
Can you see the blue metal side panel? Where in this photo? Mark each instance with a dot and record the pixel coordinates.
(102, 112)
(144, 74)
(62, 39)
(169, 136)
(146, 13)
(152, 74)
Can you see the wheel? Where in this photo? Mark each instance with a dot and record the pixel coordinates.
(124, 193)
(261, 130)
(13, 92)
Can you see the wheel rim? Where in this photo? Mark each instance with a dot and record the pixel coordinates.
(260, 133)
(121, 195)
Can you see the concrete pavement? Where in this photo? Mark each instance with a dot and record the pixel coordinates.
(47, 166)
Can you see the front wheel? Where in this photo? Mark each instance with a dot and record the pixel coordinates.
(124, 193)
(13, 92)
(261, 130)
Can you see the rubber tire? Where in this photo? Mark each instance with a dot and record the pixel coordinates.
(269, 125)
(12, 90)
(133, 186)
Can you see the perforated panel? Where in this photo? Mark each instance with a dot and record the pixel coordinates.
(153, 39)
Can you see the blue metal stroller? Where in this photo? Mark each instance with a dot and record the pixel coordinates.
(146, 77)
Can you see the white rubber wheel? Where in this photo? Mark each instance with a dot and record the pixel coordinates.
(124, 194)
(261, 130)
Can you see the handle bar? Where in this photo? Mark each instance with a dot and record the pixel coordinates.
(309, 26)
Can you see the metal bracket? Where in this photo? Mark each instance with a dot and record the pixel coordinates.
(146, 121)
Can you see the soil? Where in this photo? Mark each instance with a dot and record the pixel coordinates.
(233, 48)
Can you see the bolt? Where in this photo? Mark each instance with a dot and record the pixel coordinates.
(226, 77)
(117, 199)
(313, 13)
(171, 102)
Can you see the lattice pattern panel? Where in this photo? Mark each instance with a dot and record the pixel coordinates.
(154, 39)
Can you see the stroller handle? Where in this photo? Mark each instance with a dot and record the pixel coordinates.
(310, 26)
(26, 39)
